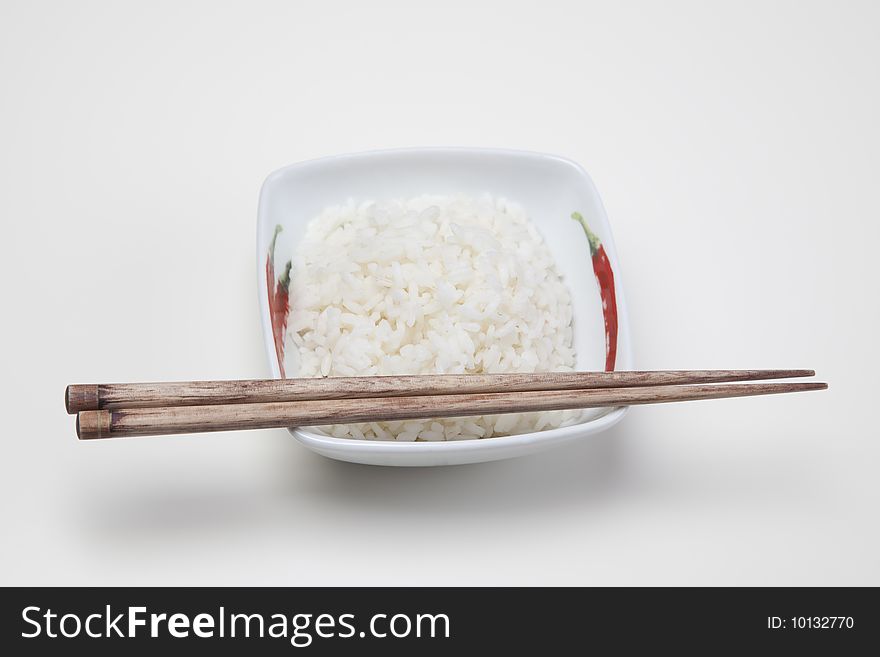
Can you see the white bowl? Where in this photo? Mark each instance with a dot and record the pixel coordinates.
(548, 187)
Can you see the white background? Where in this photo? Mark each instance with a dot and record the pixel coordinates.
(735, 146)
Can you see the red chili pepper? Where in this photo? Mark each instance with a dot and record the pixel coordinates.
(605, 278)
(279, 305)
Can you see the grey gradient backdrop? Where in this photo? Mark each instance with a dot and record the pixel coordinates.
(735, 146)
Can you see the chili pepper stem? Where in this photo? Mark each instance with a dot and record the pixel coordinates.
(592, 238)
(278, 229)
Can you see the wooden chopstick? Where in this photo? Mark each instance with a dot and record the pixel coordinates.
(195, 419)
(92, 397)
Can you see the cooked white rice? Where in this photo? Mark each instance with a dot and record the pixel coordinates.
(427, 285)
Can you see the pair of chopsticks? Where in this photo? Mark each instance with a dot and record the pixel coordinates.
(150, 409)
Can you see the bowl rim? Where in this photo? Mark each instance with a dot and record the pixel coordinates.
(323, 442)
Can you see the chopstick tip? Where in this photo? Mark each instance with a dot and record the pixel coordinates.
(791, 374)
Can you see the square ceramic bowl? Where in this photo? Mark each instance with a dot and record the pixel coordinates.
(548, 187)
